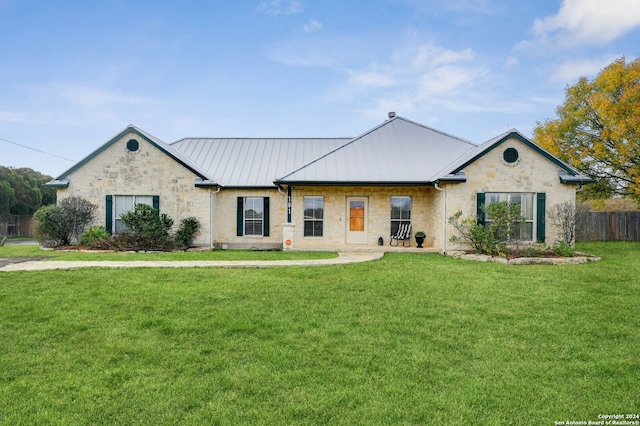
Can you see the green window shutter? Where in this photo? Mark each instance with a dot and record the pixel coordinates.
(265, 224)
(240, 217)
(156, 202)
(540, 216)
(480, 208)
(109, 213)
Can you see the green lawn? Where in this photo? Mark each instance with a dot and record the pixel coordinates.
(409, 339)
(36, 251)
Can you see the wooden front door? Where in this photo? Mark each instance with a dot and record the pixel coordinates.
(356, 220)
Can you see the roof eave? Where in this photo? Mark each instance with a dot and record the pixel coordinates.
(57, 183)
(352, 183)
(204, 183)
(575, 179)
(459, 177)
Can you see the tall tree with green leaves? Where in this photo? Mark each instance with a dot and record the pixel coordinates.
(21, 191)
(7, 200)
(597, 130)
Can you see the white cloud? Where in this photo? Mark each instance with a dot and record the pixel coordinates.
(569, 71)
(426, 77)
(93, 97)
(511, 62)
(446, 80)
(312, 26)
(280, 7)
(371, 79)
(435, 56)
(585, 22)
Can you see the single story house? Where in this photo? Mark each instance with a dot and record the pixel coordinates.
(320, 193)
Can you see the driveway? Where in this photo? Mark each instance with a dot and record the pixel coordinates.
(33, 264)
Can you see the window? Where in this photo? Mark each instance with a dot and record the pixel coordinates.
(313, 216)
(253, 216)
(253, 213)
(510, 155)
(117, 205)
(400, 212)
(524, 231)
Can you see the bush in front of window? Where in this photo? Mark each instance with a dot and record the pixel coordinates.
(504, 225)
(472, 234)
(145, 229)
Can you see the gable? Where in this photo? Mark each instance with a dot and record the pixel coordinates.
(136, 137)
(565, 172)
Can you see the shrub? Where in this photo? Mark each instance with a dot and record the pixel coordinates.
(561, 248)
(49, 227)
(145, 229)
(186, 233)
(145, 219)
(472, 234)
(493, 239)
(94, 236)
(63, 223)
(563, 217)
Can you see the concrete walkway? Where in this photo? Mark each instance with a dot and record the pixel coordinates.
(342, 259)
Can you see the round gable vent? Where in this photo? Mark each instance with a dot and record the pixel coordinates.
(510, 155)
(133, 145)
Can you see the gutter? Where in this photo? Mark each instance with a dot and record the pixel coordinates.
(211, 204)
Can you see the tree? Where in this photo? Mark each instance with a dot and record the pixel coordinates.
(21, 191)
(7, 200)
(563, 217)
(598, 130)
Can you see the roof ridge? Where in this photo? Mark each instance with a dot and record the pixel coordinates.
(439, 131)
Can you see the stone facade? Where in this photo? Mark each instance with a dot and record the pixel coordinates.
(431, 208)
(224, 212)
(147, 171)
(335, 221)
(532, 173)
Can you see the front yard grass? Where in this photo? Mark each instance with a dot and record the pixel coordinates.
(36, 251)
(409, 339)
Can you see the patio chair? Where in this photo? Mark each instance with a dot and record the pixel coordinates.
(403, 234)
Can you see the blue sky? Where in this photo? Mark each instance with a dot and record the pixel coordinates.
(75, 73)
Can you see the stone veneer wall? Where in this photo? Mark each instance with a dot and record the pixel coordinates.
(147, 171)
(490, 173)
(379, 214)
(225, 217)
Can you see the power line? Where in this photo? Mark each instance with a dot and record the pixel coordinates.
(37, 150)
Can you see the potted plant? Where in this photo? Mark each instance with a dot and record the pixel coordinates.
(420, 237)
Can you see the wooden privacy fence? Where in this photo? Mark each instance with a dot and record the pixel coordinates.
(608, 226)
(17, 226)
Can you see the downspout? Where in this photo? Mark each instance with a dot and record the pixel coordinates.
(211, 193)
(444, 218)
